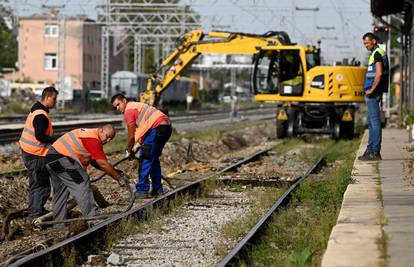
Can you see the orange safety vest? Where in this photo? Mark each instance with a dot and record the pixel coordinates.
(28, 141)
(70, 145)
(148, 115)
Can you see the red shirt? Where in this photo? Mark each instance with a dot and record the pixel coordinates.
(94, 147)
(131, 116)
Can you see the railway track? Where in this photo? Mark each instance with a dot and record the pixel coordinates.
(16, 119)
(241, 250)
(87, 240)
(192, 234)
(10, 174)
(11, 133)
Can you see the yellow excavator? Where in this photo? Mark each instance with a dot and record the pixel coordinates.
(309, 98)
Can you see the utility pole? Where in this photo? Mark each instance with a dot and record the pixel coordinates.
(61, 60)
(388, 95)
(233, 96)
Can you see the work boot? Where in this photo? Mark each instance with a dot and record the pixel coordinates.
(366, 153)
(141, 195)
(155, 194)
(370, 157)
(30, 219)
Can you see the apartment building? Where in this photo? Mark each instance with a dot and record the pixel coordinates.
(43, 41)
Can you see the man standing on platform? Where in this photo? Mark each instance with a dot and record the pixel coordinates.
(149, 129)
(376, 83)
(34, 142)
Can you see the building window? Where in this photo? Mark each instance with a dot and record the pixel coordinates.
(51, 30)
(50, 61)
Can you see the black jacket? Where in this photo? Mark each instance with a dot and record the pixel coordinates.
(40, 124)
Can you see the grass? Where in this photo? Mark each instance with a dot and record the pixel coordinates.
(311, 155)
(217, 132)
(382, 241)
(238, 228)
(69, 255)
(15, 107)
(299, 233)
(288, 144)
(119, 142)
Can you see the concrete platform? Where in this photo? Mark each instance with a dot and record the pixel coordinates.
(380, 203)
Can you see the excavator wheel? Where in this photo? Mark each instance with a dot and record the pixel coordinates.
(347, 130)
(281, 128)
(336, 134)
(291, 122)
(290, 129)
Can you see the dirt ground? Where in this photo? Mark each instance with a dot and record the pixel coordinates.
(179, 157)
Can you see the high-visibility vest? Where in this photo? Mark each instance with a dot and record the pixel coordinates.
(70, 145)
(370, 75)
(148, 115)
(28, 141)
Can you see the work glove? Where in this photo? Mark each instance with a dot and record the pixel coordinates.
(136, 147)
(129, 155)
(123, 180)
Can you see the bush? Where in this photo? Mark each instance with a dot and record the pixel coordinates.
(15, 107)
(101, 106)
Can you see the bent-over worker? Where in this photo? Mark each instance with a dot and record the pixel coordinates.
(67, 160)
(150, 129)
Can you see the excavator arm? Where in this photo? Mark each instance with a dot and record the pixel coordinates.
(195, 43)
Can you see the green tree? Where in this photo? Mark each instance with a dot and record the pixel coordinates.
(8, 42)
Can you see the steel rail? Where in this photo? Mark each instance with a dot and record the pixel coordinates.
(11, 174)
(88, 239)
(174, 115)
(241, 249)
(220, 115)
(11, 133)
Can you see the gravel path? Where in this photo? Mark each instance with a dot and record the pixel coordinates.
(189, 237)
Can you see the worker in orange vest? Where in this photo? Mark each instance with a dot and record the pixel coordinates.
(66, 162)
(34, 142)
(149, 129)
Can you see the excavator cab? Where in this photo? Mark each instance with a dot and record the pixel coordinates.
(278, 72)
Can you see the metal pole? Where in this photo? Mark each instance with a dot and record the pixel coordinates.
(388, 96)
(105, 62)
(61, 59)
(143, 59)
(410, 71)
(137, 54)
(400, 102)
(156, 53)
(201, 79)
(233, 112)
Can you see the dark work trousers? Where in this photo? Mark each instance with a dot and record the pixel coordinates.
(150, 153)
(39, 183)
(68, 176)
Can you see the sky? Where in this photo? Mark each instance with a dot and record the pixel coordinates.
(338, 24)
